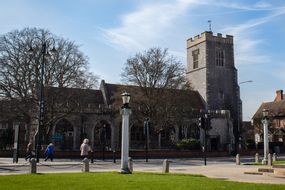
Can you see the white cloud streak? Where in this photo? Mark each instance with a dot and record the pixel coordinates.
(147, 26)
(246, 43)
(144, 26)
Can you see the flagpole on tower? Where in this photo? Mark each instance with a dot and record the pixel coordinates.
(210, 25)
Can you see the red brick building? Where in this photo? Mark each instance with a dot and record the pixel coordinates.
(276, 110)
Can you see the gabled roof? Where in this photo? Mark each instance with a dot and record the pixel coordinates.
(276, 109)
(193, 97)
(83, 96)
(106, 95)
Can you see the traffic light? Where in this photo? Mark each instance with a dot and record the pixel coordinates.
(201, 122)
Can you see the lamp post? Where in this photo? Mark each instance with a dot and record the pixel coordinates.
(16, 142)
(245, 81)
(103, 136)
(44, 45)
(239, 122)
(125, 111)
(146, 132)
(265, 137)
(202, 124)
(205, 124)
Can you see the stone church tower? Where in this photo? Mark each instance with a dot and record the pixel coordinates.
(211, 71)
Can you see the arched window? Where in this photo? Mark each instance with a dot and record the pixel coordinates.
(63, 135)
(102, 136)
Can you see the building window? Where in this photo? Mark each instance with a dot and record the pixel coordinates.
(221, 95)
(3, 126)
(195, 55)
(220, 57)
(137, 133)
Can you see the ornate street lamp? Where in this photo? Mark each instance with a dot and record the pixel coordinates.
(126, 99)
(265, 135)
(44, 46)
(125, 111)
(237, 132)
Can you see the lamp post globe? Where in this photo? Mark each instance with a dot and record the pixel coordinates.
(126, 98)
(265, 113)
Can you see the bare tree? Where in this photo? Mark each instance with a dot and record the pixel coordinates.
(162, 85)
(154, 68)
(20, 72)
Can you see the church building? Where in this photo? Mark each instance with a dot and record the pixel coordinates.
(76, 114)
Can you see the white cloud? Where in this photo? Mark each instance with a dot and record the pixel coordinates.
(246, 51)
(148, 25)
(141, 28)
(278, 72)
(262, 4)
(247, 43)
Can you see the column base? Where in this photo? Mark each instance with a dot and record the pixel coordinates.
(125, 171)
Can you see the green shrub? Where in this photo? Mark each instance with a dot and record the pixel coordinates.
(188, 144)
(250, 144)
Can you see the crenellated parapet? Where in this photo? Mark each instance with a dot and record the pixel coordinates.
(209, 37)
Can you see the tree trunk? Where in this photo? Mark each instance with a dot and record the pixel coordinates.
(159, 140)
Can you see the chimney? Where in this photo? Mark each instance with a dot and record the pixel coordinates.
(279, 95)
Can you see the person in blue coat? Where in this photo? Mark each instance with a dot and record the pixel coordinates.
(49, 152)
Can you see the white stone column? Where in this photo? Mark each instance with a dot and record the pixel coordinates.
(125, 140)
(265, 140)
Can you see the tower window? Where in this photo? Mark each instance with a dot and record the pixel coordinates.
(195, 55)
(220, 57)
(221, 95)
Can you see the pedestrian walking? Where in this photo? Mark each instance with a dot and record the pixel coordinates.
(49, 152)
(29, 151)
(85, 149)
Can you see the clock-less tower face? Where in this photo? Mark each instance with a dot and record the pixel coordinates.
(211, 70)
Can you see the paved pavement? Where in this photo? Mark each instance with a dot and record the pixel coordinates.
(219, 168)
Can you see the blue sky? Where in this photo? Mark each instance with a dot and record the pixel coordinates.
(110, 31)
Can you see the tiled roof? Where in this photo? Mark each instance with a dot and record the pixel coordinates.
(194, 97)
(85, 96)
(276, 109)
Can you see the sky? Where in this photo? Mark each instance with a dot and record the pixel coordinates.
(111, 31)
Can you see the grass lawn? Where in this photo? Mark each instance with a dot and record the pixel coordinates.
(279, 162)
(260, 163)
(106, 181)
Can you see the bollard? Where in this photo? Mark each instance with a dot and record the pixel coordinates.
(165, 168)
(237, 159)
(33, 166)
(92, 157)
(256, 158)
(130, 164)
(269, 163)
(85, 166)
(274, 157)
